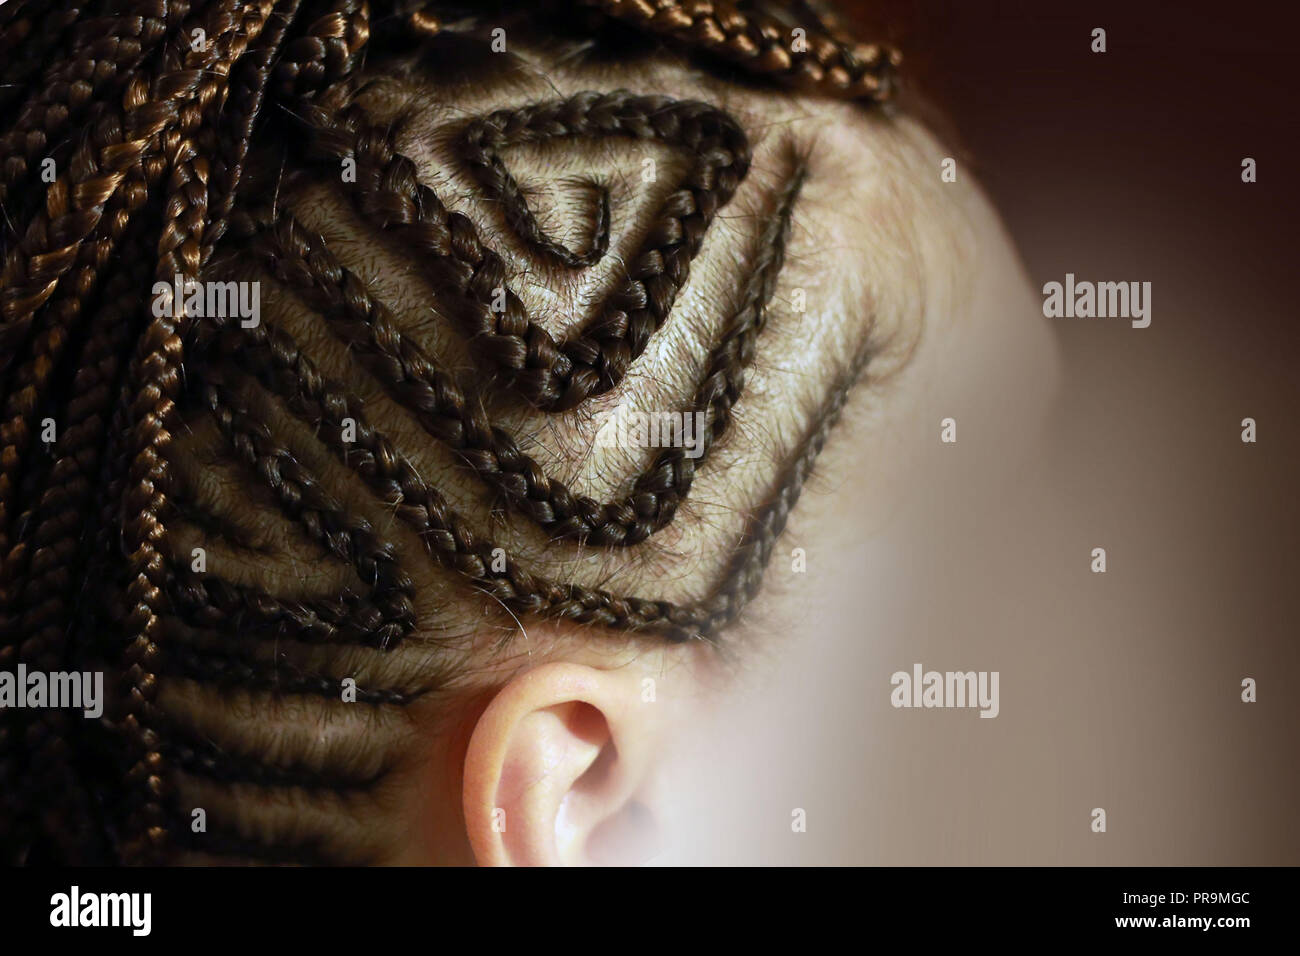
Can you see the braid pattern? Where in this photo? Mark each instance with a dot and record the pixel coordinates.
(554, 376)
(151, 111)
(417, 381)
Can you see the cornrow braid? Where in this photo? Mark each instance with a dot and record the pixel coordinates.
(347, 618)
(302, 497)
(155, 130)
(553, 376)
(417, 381)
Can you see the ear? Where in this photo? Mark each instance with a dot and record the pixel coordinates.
(559, 770)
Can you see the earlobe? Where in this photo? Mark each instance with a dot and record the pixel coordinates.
(557, 767)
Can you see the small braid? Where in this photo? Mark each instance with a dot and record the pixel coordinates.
(480, 144)
(251, 613)
(763, 44)
(329, 50)
(249, 82)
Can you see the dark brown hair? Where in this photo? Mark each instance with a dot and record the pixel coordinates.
(157, 135)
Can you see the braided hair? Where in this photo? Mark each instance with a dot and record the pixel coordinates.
(132, 137)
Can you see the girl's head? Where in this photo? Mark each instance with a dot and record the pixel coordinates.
(405, 407)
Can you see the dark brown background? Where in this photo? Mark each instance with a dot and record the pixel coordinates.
(1129, 159)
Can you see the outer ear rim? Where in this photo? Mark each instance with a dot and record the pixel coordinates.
(482, 776)
(543, 688)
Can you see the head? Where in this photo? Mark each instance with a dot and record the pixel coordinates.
(417, 414)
